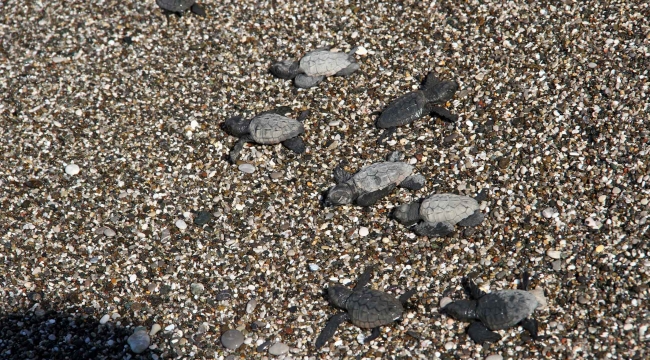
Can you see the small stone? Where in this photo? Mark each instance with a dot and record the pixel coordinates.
(275, 175)
(314, 267)
(154, 329)
(170, 327)
(592, 65)
(503, 163)
(363, 231)
(139, 341)
(600, 248)
(223, 295)
(202, 218)
(583, 300)
(181, 224)
(361, 51)
(197, 288)
(232, 339)
(444, 301)
(59, 59)
(602, 198)
(628, 327)
(133, 277)
(247, 168)
(549, 212)
(449, 139)
(494, 357)
(104, 319)
(616, 190)
(449, 345)
(557, 265)
(72, 169)
(554, 254)
(278, 349)
(250, 307)
(108, 232)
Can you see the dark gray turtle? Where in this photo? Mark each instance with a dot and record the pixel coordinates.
(495, 311)
(416, 104)
(366, 308)
(439, 213)
(372, 183)
(180, 6)
(315, 66)
(269, 127)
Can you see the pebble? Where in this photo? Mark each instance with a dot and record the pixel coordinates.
(557, 265)
(202, 218)
(278, 349)
(449, 345)
(72, 169)
(494, 357)
(592, 223)
(139, 341)
(554, 254)
(154, 329)
(363, 231)
(592, 65)
(197, 288)
(181, 224)
(275, 175)
(108, 232)
(314, 267)
(247, 168)
(104, 319)
(600, 248)
(628, 327)
(583, 300)
(361, 51)
(549, 212)
(444, 301)
(602, 198)
(250, 307)
(223, 295)
(232, 339)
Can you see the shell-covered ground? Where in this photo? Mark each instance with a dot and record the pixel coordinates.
(553, 105)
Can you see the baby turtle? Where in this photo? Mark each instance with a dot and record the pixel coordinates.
(180, 6)
(495, 311)
(416, 104)
(366, 308)
(315, 66)
(269, 127)
(373, 182)
(439, 213)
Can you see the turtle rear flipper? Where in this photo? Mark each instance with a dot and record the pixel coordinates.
(442, 113)
(413, 182)
(375, 334)
(385, 135)
(330, 328)
(304, 82)
(198, 10)
(348, 70)
(433, 229)
(369, 199)
(295, 144)
(531, 326)
(478, 332)
(473, 220)
(234, 153)
(303, 115)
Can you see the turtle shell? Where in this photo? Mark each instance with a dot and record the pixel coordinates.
(274, 128)
(380, 175)
(175, 5)
(503, 309)
(324, 63)
(448, 208)
(372, 308)
(403, 110)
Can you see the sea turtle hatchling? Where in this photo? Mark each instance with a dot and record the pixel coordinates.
(372, 182)
(416, 104)
(180, 6)
(439, 213)
(365, 308)
(269, 127)
(315, 66)
(495, 311)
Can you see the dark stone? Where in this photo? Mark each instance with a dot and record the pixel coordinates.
(202, 218)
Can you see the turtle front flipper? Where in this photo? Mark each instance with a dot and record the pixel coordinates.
(295, 144)
(475, 219)
(330, 328)
(472, 289)
(406, 296)
(198, 10)
(531, 326)
(280, 110)
(348, 70)
(413, 182)
(478, 332)
(364, 278)
(441, 112)
(369, 199)
(304, 82)
(340, 175)
(426, 228)
(375, 334)
(234, 153)
(525, 281)
(388, 132)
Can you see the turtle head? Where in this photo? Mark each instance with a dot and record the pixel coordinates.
(461, 310)
(285, 69)
(407, 214)
(236, 126)
(338, 295)
(340, 194)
